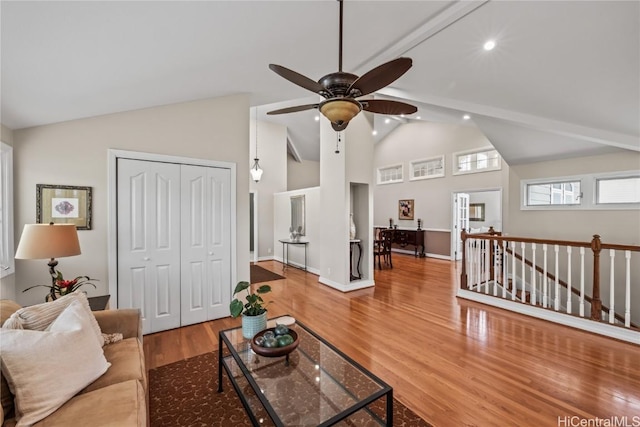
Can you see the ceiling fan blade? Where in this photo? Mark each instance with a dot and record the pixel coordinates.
(383, 106)
(298, 78)
(293, 109)
(381, 76)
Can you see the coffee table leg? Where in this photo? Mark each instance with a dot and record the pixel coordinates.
(390, 408)
(219, 364)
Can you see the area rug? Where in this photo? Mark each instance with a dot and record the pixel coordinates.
(259, 274)
(185, 394)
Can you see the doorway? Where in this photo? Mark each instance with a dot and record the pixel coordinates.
(489, 202)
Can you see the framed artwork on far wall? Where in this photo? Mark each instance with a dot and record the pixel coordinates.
(63, 204)
(476, 211)
(405, 209)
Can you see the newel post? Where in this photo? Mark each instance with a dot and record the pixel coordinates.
(596, 303)
(463, 270)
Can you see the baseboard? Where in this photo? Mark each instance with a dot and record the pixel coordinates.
(429, 255)
(607, 330)
(266, 258)
(297, 265)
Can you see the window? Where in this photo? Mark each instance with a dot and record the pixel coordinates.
(7, 264)
(390, 174)
(427, 168)
(618, 190)
(555, 193)
(482, 160)
(608, 191)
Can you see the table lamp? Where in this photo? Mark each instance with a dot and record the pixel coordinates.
(42, 241)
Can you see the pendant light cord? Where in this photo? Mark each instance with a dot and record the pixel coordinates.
(256, 133)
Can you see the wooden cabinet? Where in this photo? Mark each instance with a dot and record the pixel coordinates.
(415, 238)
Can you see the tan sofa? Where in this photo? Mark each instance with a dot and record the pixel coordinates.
(118, 398)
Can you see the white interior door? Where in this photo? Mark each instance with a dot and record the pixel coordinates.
(460, 221)
(206, 243)
(149, 241)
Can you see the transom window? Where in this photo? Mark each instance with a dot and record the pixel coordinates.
(427, 168)
(555, 193)
(390, 174)
(618, 190)
(482, 160)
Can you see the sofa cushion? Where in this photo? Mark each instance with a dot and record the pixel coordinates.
(38, 317)
(7, 308)
(127, 363)
(122, 404)
(44, 369)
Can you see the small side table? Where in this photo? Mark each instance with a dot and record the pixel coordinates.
(99, 303)
(285, 254)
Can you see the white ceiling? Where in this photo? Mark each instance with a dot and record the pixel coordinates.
(563, 80)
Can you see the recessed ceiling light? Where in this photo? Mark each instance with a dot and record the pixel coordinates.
(374, 133)
(466, 117)
(387, 121)
(317, 118)
(418, 118)
(489, 45)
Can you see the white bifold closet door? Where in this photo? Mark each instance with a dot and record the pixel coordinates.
(205, 263)
(173, 242)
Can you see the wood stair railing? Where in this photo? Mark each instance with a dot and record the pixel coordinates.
(595, 245)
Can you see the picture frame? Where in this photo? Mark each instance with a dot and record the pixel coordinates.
(64, 204)
(405, 209)
(476, 211)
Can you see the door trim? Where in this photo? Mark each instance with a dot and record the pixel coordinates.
(112, 224)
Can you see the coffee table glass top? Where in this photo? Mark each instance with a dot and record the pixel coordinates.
(317, 385)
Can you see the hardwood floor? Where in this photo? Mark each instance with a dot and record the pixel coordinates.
(452, 361)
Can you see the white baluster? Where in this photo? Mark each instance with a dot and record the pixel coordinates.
(470, 263)
(557, 297)
(514, 286)
(523, 297)
(612, 313)
(494, 244)
(487, 266)
(505, 262)
(627, 297)
(545, 282)
(581, 282)
(569, 285)
(534, 288)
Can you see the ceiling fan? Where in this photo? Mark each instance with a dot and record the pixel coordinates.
(340, 90)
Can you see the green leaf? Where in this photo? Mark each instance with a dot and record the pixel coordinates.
(236, 308)
(264, 289)
(241, 286)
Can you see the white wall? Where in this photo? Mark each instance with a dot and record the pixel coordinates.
(313, 230)
(7, 285)
(75, 153)
(613, 226)
(305, 174)
(414, 141)
(272, 152)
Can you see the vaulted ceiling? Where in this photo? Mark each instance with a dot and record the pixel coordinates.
(562, 81)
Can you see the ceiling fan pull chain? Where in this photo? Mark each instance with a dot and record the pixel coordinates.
(338, 139)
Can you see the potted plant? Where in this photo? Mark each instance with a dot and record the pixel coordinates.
(254, 312)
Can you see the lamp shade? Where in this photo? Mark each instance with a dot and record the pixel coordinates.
(340, 110)
(41, 241)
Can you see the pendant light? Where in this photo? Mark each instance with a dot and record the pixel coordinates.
(256, 171)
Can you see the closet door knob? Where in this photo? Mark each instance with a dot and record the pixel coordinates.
(146, 258)
(210, 253)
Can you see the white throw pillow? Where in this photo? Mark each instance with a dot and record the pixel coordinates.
(38, 317)
(45, 369)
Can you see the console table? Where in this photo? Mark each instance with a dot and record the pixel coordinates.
(405, 237)
(285, 254)
(355, 243)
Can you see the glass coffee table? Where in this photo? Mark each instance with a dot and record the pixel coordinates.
(317, 386)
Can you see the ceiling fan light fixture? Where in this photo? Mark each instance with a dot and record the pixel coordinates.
(340, 111)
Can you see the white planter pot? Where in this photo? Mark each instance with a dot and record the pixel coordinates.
(251, 325)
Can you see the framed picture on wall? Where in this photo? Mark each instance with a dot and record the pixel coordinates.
(405, 209)
(476, 211)
(63, 204)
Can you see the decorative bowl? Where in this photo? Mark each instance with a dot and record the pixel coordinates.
(274, 351)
